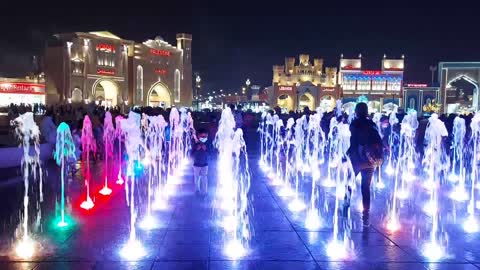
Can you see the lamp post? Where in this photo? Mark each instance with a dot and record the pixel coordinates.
(247, 83)
(433, 69)
(198, 80)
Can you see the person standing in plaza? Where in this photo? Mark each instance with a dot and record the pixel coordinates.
(366, 154)
(200, 162)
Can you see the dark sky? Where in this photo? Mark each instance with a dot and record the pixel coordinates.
(231, 43)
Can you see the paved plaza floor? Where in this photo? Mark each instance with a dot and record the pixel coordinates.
(188, 235)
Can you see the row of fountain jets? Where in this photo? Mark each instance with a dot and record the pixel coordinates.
(300, 151)
(156, 153)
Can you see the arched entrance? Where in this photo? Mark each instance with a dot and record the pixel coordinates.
(285, 102)
(159, 96)
(327, 103)
(349, 107)
(374, 106)
(459, 86)
(77, 96)
(464, 97)
(105, 92)
(307, 100)
(390, 107)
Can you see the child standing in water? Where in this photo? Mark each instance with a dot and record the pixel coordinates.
(200, 162)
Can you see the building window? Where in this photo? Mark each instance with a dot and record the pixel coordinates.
(105, 57)
(394, 84)
(176, 86)
(363, 84)
(411, 103)
(378, 84)
(77, 67)
(139, 92)
(348, 83)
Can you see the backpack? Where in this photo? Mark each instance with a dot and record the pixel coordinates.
(372, 152)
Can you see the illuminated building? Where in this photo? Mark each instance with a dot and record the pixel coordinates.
(103, 67)
(459, 85)
(304, 85)
(383, 88)
(418, 95)
(22, 90)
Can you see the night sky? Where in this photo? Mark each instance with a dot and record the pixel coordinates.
(233, 43)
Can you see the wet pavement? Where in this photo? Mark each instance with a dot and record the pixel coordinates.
(188, 235)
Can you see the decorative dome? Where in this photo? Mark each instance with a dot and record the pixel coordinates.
(159, 38)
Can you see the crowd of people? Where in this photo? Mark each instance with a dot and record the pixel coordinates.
(51, 116)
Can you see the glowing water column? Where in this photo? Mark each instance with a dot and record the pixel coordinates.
(345, 177)
(88, 145)
(133, 249)
(119, 137)
(393, 120)
(279, 148)
(262, 132)
(471, 224)
(458, 169)
(154, 143)
(27, 131)
(234, 185)
(379, 184)
(175, 147)
(434, 160)
(286, 189)
(64, 151)
(108, 137)
(297, 205)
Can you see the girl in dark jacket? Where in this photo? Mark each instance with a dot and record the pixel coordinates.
(364, 138)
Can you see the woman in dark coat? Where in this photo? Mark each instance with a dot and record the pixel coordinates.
(364, 138)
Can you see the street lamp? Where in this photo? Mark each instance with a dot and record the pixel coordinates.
(197, 89)
(247, 83)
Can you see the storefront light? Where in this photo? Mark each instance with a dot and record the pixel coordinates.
(86, 101)
(69, 100)
(126, 101)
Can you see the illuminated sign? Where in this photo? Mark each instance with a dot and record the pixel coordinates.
(416, 85)
(105, 71)
(160, 71)
(105, 47)
(160, 52)
(349, 67)
(372, 72)
(285, 88)
(329, 89)
(22, 88)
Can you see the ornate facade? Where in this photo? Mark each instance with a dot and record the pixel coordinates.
(296, 86)
(103, 67)
(383, 88)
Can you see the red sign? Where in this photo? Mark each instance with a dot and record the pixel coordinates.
(349, 67)
(105, 47)
(285, 88)
(105, 71)
(160, 71)
(22, 88)
(160, 52)
(372, 72)
(416, 85)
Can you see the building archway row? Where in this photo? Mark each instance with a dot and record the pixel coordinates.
(110, 92)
